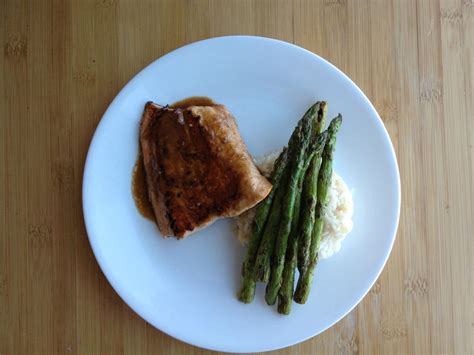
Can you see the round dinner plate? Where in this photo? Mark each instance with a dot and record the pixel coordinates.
(188, 288)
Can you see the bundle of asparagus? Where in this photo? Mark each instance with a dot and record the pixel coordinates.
(288, 224)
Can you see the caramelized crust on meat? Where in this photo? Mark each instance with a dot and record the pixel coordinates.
(197, 167)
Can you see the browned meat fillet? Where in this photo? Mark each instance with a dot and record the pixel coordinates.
(197, 167)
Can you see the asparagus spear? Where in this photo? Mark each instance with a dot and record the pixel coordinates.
(247, 289)
(310, 189)
(265, 250)
(305, 220)
(285, 294)
(324, 180)
(320, 122)
(262, 262)
(317, 127)
(288, 277)
(298, 159)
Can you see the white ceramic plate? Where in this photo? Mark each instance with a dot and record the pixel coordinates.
(188, 288)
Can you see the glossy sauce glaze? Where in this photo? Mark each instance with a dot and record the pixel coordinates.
(194, 101)
(139, 184)
(140, 190)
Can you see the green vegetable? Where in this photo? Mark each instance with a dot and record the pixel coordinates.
(302, 226)
(302, 230)
(247, 289)
(263, 259)
(265, 250)
(310, 189)
(324, 181)
(297, 148)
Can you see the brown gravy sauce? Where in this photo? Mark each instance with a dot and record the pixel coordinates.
(140, 190)
(194, 101)
(139, 185)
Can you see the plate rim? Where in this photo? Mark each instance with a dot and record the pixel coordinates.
(86, 181)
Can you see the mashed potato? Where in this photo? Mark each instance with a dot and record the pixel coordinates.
(337, 221)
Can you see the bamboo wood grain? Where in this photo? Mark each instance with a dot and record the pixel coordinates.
(62, 63)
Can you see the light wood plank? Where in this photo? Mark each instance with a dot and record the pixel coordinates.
(64, 61)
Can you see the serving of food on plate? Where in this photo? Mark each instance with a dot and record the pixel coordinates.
(248, 196)
(197, 169)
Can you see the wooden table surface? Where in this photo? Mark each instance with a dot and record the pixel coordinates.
(63, 62)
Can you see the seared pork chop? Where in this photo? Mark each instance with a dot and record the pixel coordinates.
(197, 167)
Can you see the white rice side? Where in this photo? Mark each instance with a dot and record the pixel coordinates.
(337, 221)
